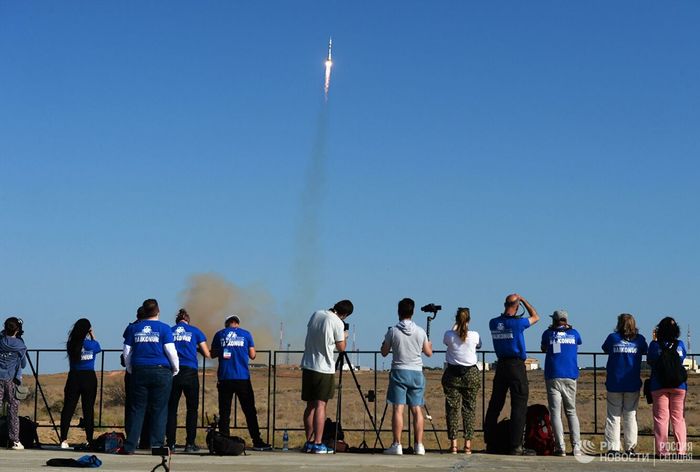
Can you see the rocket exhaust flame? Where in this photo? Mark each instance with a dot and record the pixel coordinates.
(329, 65)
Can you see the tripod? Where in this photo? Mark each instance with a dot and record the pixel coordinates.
(343, 358)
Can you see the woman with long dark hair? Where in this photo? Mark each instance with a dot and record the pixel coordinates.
(668, 387)
(461, 380)
(82, 381)
(625, 348)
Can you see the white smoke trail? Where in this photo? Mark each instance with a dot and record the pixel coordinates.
(327, 86)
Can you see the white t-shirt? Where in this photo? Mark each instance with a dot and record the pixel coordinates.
(461, 352)
(325, 329)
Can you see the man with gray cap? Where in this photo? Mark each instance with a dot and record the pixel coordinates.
(233, 346)
(560, 341)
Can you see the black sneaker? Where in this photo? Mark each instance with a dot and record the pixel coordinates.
(522, 451)
(191, 448)
(261, 446)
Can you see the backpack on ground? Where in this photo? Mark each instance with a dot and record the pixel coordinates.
(538, 430)
(222, 445)
(498, 441)
(109, 442)
(669, 367)
(329, 428)
(28, 435)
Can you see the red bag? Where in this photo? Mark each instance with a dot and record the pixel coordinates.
(538, 430)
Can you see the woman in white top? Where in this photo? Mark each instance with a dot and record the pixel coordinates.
(461, 380)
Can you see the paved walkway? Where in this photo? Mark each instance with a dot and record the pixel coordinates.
(295, 461)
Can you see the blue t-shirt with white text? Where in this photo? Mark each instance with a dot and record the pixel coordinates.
(147, 339)
(231, 346)
(87, 356)
(187, 338)
(508, 338)
(561, 345)
(653, 356)
(624, 362)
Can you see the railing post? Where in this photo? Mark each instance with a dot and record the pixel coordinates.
(204, 377)
(274, 398)
(595, 393)
(102, 387)
(269, 372)
(36, 389)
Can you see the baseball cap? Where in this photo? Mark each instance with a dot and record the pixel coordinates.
(232, 318)
(560, 315)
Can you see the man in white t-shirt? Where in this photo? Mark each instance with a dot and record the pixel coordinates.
(325, 333)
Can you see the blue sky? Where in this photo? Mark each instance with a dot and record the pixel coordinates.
(473, 149)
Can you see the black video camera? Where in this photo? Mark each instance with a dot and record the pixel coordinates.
(431, 308)
(346, 326)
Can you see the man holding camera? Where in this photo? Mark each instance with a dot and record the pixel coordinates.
(233, 346)
(509, 343)
(407, 342)
(326, 331)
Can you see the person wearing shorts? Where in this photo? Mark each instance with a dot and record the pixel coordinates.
(407, 342)
(325, 332)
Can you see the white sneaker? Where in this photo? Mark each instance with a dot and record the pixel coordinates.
(395, 450)
(419, 449)
(17, 446)
(64, 445)
(577, 451)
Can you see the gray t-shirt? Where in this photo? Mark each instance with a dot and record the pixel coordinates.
(325, 329)
(406, 340)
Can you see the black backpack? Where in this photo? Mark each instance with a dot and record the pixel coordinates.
(222, 445)
(669, 367)
(27, 432)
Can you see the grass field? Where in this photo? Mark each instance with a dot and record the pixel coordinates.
(288, 411)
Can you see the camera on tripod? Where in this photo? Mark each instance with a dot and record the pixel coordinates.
(431, 308)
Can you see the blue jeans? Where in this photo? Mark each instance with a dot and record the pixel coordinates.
(149, 392)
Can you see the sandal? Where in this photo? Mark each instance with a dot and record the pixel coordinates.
(468, 447)
(453, 449)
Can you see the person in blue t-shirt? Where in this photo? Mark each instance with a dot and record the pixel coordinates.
(669, 399)
(151, 359)
(560, 341)
(188, 340)
(82, 381)
(233, 346)
(625, 348)
(509, 344)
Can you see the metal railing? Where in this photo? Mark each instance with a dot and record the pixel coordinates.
(272, 364)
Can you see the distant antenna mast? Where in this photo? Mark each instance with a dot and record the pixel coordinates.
(689, 349)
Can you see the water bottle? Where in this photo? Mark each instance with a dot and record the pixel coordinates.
(285, 441)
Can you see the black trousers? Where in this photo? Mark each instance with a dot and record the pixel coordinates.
(511, 375)
(80, 384)
(186, 382)
(243, 390)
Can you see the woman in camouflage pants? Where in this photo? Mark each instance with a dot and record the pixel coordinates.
(461, 380)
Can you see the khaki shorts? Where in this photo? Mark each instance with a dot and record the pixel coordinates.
(316, 386)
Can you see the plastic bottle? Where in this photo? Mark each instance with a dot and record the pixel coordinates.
(285, 441)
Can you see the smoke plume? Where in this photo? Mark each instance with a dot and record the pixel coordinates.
(210, 299)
